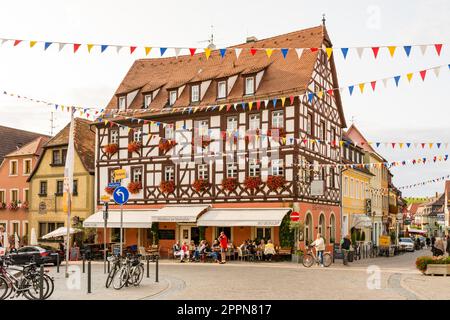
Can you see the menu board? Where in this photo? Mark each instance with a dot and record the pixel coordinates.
(166, 234)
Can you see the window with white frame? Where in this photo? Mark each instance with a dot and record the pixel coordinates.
(352, 188)
(278, 119)
(309, 124)
(169, 132)
(345, 187)
(147, 100)
(277, 167)
(137, 135)
(26, 166)
(222, 90)
(232, 170)
(203, 171)
(232, 124)
(136, 174)
(14, 195)
(203, 128)
(254, 168)
(195, 93)
(13, 167)
(169, 173)
(114, 136)
(26, 195)
(250, 85)
(122, 103)
(172, 97)
(2, 196)
(255, 121)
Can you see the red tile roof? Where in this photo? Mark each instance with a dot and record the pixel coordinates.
(32, 148)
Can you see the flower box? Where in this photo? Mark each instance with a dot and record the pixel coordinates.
(2, 206)
(252, 183)
(275, 182)
(167, 186)
(109, 190)
(134, 146)
(134, 187)
(201, 185)
(12, 206)
(165, 145)
(111, 148)
(427, 265)
(229, 184)
(24, 206)
(438, 269)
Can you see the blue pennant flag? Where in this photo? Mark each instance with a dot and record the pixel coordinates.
(162, 50)
(274, 102)
(397, 79)
(243, 105)
(103, 47)
(378, 144)
(408, 144)
(47, 44)
(350, 89)
(284, 51)
(344, 52)
(222, 52)
(213, 108)
(56, 107)
(310, 96)
(438, 145)
(407, 50)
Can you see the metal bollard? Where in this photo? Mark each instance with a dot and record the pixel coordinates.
(89, 277)
(157, 269)
(84, 261)
(57, 262)
(41, 282)
(148, 267)
(109, 266)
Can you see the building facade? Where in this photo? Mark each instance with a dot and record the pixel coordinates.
(225, 144)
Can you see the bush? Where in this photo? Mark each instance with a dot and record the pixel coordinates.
(424, 261)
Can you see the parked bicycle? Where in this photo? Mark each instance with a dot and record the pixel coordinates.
(310, 258)
(131, 272)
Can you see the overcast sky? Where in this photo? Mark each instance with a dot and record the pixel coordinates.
(415, 112)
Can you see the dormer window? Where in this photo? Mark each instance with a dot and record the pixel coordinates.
(195, 93)
(122, 103)
(249, 85)
(172, 97)
(147, 100)
(221, 90)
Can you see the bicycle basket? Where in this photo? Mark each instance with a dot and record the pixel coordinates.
(135, 263)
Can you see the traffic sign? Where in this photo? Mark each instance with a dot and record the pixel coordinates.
(121, 195)
(105, 198)
(114, 185)
(120, 174)
(295, 216)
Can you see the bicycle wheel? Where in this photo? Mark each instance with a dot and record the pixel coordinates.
(112, 273)
(4, 288)
(51, 286)
(308, 260)
(137, 275)
(121, 278)
(327, 260)
(33, 288)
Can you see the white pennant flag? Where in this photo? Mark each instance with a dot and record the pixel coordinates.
(177, 52)
(360, 51)
(238, 52)
(299, 52)
(61, 46)
(385, 82)
(118, 48)
(266, 103)
(437, 70)
(423, 48)
(3, 41)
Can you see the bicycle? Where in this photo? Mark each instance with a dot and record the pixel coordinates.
(116, 263)
(310, 258)
(131, 272)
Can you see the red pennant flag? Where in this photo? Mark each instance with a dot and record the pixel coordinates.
(393, 145)
(192, 51)
(438, 48)
(253, 51)
(258, 105)
(313, 49)
(373, 83)
(423, 145)
(16, 42)
(291, 99)
(132, 49)
(330, 92)
(375, 51)
(423, 74)
(228, 107)
(76, 46)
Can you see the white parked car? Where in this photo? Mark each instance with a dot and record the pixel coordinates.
(406, 244)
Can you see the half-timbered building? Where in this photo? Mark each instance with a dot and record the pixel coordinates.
(233, 141)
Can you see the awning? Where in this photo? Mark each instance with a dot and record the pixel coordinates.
(179, 213)
(131, 219)
(251, 217)
(60, 232)
(361, 221)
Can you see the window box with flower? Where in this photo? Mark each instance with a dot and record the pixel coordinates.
(167, 186)
(134, 146)
(111, 148)
(109, 190)
(275, 182)
(252, 183)
(201, 185)
(165, 144)
(134, 187)
(229, 184)
(12, 206)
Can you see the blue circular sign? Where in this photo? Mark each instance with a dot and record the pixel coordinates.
(121, 195)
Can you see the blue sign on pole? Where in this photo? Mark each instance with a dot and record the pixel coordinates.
(114, 184)
(121, 195)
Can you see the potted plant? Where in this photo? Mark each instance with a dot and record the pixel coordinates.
(167, 186)
(2, 206)
(229, 184)
(165, 145)
(252, 183)
(24, 206)
(134, 146)
(109, 190)
(12, 206)
(433, 265)
(111, 148)
(297, 256)
(201, 185)
(134, 187)
(275, 182)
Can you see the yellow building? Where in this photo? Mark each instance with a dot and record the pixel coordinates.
(46, 181)
(355, 193)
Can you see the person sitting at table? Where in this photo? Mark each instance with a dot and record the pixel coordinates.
(177, 252)
(192, 249)
(215, 250)
(269, 250)
(251, 247)
(243, 246)
(260, 249)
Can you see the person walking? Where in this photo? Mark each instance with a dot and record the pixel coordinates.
(319, 245)
(428, 242)
(345, 247)
(223, 246)
(438, 247)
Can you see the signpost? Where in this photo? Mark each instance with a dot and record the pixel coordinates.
(121, 196)
(295, 216)
(105, 200)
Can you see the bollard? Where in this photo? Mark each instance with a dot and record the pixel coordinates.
(89, 277)
(157, 269)
(41, 282)
(148, 267)
(57, 262)
(84, 261)
(109, 266)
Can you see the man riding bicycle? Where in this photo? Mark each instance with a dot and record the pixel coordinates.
(319, 245)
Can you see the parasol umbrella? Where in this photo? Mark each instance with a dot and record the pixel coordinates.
(33, 240)
(60, 232)
(5, 240)
(16, 240)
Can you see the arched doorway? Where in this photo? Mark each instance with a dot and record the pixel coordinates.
(321, 226)
(308, 229)
(332, 228)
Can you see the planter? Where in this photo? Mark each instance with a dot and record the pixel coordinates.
(229, 184)
(275, 182)
(297, 258)
(111, 148)
(252, 183)
(165, 145)
(134, 146)
(438, 269)
(134, 187)
(167, 186)
(201, 185)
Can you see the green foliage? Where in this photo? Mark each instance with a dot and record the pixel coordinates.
(286, 232)
(422, 262)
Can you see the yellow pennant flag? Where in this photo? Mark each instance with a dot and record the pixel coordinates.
(400, 145)
(89, 46)
(409, 76)
(207, 52)
(329, 52)
(269, 52)
(250, 105)
(361, 87)
(221, 107)
(147, 50)
(341, 142)
(320, 94)
(283, 99)
(392, 50)
(431, 145)
(32, 43)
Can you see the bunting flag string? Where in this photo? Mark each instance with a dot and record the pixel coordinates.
(414, 185)
(390, 50)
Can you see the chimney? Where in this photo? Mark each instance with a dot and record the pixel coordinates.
(251, 39)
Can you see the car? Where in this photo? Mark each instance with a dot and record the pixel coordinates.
(406, 244)
(41, 254)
